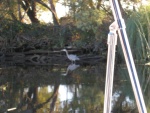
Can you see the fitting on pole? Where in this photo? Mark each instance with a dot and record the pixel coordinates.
(112, 35)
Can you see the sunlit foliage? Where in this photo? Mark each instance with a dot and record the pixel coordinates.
(86, 14)
(89, 19)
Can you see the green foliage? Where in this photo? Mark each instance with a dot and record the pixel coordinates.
(138, 29)
(8, 9)
(86, 39)
(9, 29)
(16, 34)
(89, 19)
(43, 95)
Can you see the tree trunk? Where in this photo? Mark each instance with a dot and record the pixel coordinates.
(54, 14)
(124, 15)
(54, 99)
(19, 10)
(30, 7)
(98, 4)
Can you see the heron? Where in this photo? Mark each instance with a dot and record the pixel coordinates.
(71, 67)
(71, 57)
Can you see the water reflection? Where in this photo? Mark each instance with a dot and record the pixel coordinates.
(43, 89)
(71, 67)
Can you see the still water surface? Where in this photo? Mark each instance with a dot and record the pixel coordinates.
(68, 89)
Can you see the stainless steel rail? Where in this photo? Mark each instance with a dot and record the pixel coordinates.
(112, 42)
(129, 62)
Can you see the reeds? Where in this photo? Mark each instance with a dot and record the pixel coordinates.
(138, 31)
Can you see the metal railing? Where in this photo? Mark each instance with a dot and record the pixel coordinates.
(119, 25)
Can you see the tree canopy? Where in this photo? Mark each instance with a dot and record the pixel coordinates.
(22, 9)
(85, 25)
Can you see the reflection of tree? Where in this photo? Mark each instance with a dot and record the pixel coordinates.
(146, 86)
(92, 98)
(54, 98)
(122, 106)
(118, 104)
(30, 104)
(29, 101)
(87, 91)
(87, 85)
(31, 97)
(87, 98)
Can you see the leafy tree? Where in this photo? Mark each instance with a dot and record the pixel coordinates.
(87, 12)
(8, 9)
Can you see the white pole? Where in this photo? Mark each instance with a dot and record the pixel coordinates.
(128, 57)
(112, 42)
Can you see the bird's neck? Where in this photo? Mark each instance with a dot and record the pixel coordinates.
(66, 53)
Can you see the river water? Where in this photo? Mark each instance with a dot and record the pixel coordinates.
(69, 88)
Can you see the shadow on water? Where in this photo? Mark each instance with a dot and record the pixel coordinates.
(68, 88)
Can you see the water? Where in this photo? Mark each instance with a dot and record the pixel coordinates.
(68, 89)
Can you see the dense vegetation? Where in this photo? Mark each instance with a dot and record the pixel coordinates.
(85, 26)
(26, 40)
